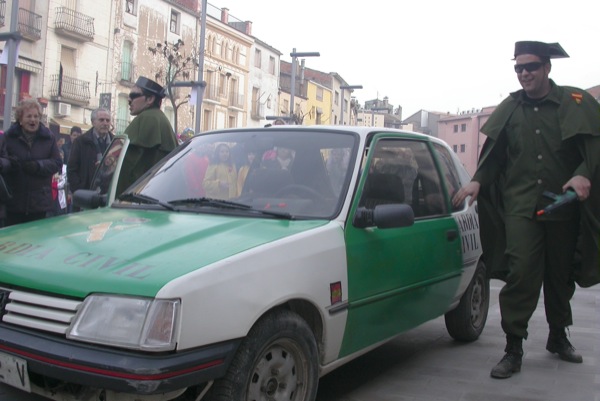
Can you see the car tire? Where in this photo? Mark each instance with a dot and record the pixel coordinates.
(278, 360)
(467, 320)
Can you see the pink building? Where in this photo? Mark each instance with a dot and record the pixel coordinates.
(461, 132)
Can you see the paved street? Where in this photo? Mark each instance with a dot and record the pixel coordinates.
(426, 365)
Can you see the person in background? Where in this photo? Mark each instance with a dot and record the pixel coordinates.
(337, 166)
(220, 180)
(87, 150)
(150, 133)
(34, 157)
(195, 169)
(251, 163)
(74, 133)
(186, 135)
(282, 159)
(4, 190)
(544, 137)
(59, 187)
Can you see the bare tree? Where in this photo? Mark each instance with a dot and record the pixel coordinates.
(175, 63)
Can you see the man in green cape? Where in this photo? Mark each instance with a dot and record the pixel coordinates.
(542, 138)
(150, 133)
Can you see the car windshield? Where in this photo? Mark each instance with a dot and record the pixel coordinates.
(279, 173)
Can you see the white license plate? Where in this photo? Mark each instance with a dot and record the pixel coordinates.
(13, 371)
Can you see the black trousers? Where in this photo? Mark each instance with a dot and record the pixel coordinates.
(539, 253)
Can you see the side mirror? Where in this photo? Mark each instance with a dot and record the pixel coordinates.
(89, 199)
(394, 215)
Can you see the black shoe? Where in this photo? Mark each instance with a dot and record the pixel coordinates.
(509, 364)
(512, 360)
(559, 344)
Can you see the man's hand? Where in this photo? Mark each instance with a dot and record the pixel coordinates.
(580, 185)
(471, 189)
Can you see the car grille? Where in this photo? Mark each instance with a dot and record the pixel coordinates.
(37, 311)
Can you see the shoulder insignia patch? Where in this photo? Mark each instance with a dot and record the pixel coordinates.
(578, 97)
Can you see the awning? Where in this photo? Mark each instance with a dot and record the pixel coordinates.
(66, 125)
(29, 65)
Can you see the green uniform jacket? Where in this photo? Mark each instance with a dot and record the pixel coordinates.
(151, 138)
(578, 115)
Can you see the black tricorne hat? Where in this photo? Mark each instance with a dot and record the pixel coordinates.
(541, 49)
(150, 86)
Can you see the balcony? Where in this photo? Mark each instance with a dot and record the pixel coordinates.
(70, 89)
(236, 100)
(74, 25)
(2, 12)
(29, 25)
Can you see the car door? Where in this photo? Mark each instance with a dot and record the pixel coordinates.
(399, 278)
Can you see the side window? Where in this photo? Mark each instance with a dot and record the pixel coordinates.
(403, 171)
(450, 175)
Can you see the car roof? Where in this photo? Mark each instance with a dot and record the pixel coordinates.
(361, 131)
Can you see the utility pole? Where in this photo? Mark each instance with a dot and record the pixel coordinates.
(12, 39)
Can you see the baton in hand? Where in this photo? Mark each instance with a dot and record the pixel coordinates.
(559, 200)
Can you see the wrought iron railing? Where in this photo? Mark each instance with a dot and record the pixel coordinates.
(70, 88)
(30, 24)
(74, 22)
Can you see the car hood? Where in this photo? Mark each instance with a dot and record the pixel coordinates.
(127, 251)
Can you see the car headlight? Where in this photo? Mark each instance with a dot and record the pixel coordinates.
(138, 323)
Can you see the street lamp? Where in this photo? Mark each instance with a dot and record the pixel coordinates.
(294, 55)
(200, 88)
(12, 39)
(351, 88)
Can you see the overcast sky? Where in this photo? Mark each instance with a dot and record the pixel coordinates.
(437, 55)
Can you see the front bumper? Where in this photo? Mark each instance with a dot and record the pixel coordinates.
(113, 369)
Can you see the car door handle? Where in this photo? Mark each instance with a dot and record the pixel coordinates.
(451, 235)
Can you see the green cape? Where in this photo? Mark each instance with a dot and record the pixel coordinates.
(579, 114)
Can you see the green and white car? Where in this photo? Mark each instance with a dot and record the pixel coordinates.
(169, 291)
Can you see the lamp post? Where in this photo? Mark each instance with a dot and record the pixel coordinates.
(351, 88)
(12, 39)
(294, 55)
(200, 88)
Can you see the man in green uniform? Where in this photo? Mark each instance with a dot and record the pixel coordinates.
(544, 137)
(150, 133)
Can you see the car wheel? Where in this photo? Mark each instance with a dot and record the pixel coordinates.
(277, 361)
(467, 320)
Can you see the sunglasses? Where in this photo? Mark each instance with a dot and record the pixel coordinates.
(530, 67)
(135, 95)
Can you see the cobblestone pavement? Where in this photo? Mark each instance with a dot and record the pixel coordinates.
(425, 364)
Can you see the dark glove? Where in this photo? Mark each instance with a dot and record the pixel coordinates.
(15, 164)
(31, 167)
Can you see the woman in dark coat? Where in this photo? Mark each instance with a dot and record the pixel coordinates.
(34, 158)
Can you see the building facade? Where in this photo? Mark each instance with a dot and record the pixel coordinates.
(263, 83)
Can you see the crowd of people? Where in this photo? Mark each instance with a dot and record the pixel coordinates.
(39, 171)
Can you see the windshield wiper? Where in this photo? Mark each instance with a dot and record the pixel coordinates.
(283, 215)
(147, 199)
(225, 204)
(213, 202)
